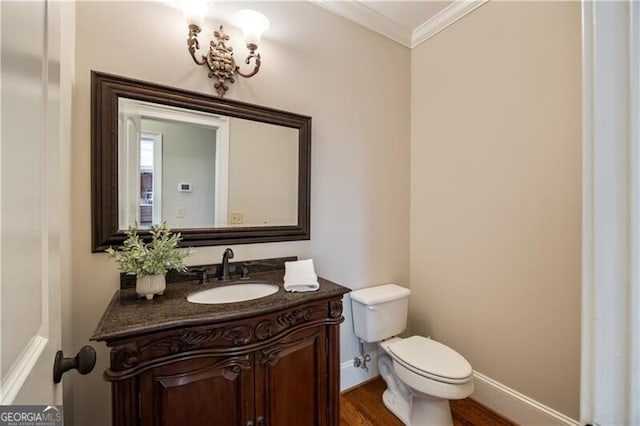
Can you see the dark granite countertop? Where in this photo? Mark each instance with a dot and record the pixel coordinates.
(128, 315)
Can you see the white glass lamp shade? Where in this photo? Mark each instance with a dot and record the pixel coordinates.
(253, 24)
(194, 11)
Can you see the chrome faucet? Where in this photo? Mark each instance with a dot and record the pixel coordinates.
(224, 268)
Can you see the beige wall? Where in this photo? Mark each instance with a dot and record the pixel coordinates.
(495, 195)
(355, 85)
(263, 173)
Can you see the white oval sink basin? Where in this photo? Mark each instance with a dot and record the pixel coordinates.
(233, 293)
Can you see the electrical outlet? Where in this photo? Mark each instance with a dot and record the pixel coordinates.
(236, 218)
(180, 212)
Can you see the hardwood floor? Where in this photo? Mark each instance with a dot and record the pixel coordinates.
(363, 406)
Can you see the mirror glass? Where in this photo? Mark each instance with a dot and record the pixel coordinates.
(219, 171)
(200, 170)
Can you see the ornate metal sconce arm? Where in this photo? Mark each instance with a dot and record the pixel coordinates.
(194, 45)
(252, 55)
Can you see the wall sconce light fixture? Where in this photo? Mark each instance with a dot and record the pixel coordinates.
(219, 59)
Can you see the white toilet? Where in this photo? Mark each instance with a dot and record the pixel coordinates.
(422, 375)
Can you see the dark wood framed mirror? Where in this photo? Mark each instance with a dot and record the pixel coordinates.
(219, 171)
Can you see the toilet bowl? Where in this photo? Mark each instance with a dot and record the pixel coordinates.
(429, 373)
(422, 375)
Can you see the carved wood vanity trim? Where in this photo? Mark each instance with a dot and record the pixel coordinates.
(134, 355)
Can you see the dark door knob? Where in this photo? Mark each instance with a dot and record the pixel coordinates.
(84, 362)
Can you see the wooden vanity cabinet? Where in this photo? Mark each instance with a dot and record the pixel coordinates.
(191, 391)
(276, 369)
(291, 383)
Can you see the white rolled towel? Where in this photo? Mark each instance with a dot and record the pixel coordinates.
(300, 276)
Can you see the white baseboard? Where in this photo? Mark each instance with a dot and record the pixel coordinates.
(351, 376)
(500, 398)
(514, 405)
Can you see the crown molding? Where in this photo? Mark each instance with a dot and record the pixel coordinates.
(359, 13)
(369, 18)
(447, 16)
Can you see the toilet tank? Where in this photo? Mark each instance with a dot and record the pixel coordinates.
(379, 312)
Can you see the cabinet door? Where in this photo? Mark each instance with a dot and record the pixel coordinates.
(291, 381)
(198, 392)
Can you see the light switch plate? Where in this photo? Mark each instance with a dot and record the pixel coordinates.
(236, 218)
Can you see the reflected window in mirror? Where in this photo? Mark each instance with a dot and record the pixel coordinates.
(150, 144)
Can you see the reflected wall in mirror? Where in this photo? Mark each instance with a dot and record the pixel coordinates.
(219, 171)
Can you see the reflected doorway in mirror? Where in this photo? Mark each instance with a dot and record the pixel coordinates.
(164, 148)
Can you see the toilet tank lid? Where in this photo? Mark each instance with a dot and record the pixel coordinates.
(380, 294)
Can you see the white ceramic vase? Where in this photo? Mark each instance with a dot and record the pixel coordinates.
(150, 285)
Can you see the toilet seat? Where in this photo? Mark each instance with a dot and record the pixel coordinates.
(430, 359)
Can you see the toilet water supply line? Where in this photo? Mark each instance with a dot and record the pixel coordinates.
(362, 360)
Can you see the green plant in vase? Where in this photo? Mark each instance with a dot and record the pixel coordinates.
(151, 261)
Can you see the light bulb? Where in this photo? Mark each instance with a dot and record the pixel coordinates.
(194, 11)
(253, 24)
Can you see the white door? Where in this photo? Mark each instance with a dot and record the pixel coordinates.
(129, 168)
(30, 207)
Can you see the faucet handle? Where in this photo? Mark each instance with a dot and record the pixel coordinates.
(244, 274)
(203, 274)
